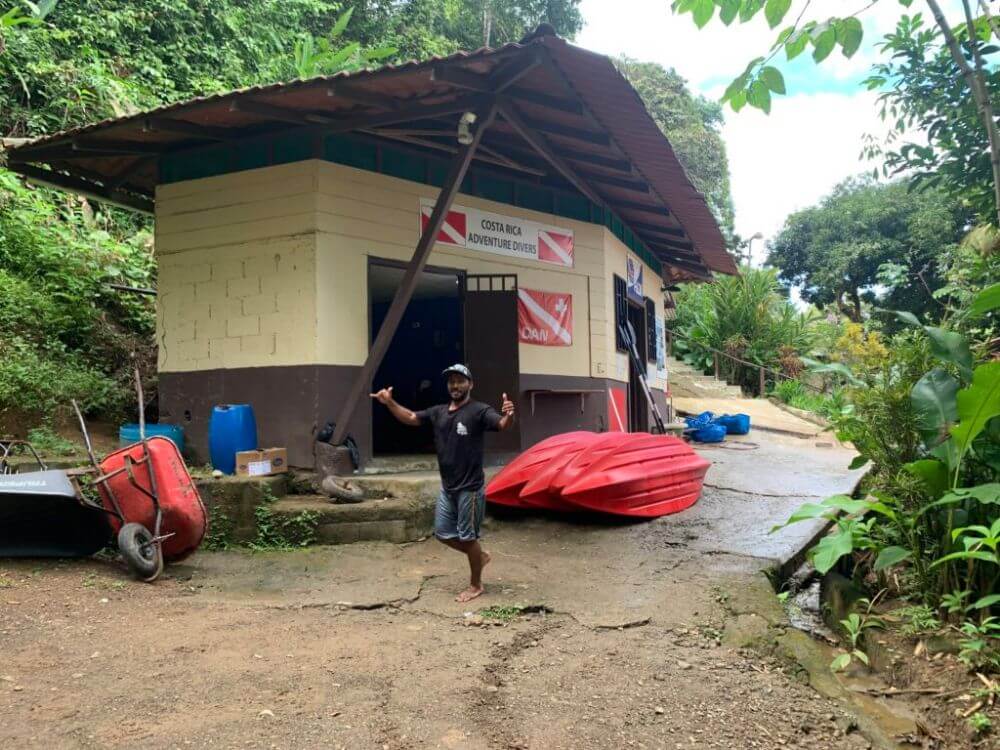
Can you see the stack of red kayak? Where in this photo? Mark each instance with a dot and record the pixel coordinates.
(627, 474)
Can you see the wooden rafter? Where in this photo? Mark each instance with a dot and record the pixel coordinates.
(281, 114)
(483, 154)
(641, 226)
(106, 146)
(636, 186)
(86, 188)
(356, 95)
(182, 127)
(540, 143)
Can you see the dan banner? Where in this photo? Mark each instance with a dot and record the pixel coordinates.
(544, 318)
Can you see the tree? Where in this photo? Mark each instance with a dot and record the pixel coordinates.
(879, 243)
(967, 45)
(692, 126)
(922, 92)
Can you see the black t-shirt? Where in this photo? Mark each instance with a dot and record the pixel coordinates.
(458, 436)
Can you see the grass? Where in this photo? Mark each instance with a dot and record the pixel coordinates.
(502, 613)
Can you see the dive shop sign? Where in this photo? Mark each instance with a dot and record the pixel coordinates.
(503, 235)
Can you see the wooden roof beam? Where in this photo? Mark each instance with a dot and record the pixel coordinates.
(182, 127)
(645, 207)
(640, 226)
(86, 188)
(281, 114)
(508, 110)
(476, 82)
(487, 155)
(104, 146)
(564, 131)
(637, 186)
(357, 95)
(670, 245)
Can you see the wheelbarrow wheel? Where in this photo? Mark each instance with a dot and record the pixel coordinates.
(142, 557)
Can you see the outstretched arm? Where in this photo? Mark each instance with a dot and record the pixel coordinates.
(404, 415)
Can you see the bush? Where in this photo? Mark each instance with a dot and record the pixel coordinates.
(744, 316)
(64, 333)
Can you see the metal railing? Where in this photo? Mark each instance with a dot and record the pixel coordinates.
(762, 371)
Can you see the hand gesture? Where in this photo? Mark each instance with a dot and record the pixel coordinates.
(506, 406)
(384, 396)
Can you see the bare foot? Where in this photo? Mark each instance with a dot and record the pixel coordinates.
(469, 594)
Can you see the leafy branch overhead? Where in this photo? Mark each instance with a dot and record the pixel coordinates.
(756, 84)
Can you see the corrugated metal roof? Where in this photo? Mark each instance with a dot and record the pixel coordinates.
(586, 108)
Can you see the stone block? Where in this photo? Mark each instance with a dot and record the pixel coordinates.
(261, 345)
(210, 291)
(183, 332)
(191, 273)
(247, 325)
(263, 265)
(211, 326)
(224, 270)
(259, 304)
(245, 287)
(222, 350)
(190, 351)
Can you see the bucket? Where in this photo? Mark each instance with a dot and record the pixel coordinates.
(231, 428)
(128, 434)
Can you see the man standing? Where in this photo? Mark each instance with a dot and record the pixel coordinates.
(459, 427)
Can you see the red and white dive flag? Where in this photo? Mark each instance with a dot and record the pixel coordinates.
(544, 318)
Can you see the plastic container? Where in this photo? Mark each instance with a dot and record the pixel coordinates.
(712, 433)
(231, 428)
(128, 434)
(735, 424)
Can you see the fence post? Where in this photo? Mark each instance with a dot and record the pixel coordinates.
(715, 361)
(762, 384)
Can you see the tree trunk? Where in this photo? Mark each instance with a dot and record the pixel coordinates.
(976, 81)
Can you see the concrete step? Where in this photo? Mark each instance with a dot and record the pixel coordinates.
(390, 519)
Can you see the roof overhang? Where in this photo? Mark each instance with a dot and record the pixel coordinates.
(567, 119)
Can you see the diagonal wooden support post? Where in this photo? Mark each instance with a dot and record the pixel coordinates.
(459, 166)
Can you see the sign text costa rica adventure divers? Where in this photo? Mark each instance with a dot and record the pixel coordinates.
(503, 235)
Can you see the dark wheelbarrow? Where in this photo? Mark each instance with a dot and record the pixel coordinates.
(44, 514)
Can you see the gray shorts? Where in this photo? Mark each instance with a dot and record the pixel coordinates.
(459, 514)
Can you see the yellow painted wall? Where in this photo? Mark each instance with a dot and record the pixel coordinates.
(269, 267)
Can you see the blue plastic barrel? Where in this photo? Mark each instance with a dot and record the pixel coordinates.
(735, 424)
(231, 428)
(129, 434)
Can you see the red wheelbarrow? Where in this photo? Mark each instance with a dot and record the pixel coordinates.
(151, 501)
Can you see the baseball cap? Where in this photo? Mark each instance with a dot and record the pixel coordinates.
(458, 369)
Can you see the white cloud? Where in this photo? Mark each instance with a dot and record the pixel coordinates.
(788, 160)
(812, 139)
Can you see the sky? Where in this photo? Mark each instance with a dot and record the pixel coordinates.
(812, 139)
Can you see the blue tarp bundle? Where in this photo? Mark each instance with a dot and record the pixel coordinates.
(707, 428)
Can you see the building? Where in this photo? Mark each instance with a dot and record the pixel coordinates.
(512, 208)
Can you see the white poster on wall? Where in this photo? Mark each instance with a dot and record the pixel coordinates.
(661, 349)
(503, 235)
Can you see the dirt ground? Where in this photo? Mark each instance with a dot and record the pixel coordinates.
(592, 634)
(92, 660)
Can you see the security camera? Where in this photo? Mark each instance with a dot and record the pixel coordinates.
(465, 123)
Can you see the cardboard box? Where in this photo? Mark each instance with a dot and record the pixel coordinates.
(262, 463)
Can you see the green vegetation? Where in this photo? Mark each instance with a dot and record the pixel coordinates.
(502, 613)
(747, 317)
(881, 244)
(692, 124)
(64, 333)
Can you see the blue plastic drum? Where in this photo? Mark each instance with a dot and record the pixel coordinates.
(232, 428)
(128, 434)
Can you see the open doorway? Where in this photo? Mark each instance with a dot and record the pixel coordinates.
(638, 406)
(430, 337)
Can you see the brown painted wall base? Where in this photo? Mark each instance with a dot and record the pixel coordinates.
(292, 403)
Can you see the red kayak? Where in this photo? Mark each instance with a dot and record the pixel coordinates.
(505, 487)
(649, 476)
